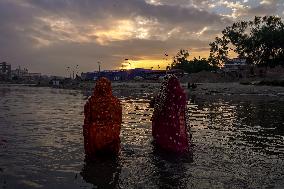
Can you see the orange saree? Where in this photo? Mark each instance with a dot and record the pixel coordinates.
(103, 117)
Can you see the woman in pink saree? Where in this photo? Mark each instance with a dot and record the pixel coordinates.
(168, 122)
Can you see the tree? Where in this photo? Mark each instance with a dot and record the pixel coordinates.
(191, 66)
(180, 60)
(260, 41)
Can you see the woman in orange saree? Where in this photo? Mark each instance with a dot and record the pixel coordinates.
(103, 117)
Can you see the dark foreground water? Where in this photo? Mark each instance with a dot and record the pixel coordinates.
(238, 143)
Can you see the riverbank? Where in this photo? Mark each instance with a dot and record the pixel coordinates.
(201, 89)
(236, 89)
(235, 92)
(150, 88)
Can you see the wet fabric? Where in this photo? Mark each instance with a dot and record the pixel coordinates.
(169, 128)
(102, 124)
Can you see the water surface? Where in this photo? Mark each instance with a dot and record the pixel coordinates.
(238, 143)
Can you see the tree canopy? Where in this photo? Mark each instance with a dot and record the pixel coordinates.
(260, 41)
(180, 61)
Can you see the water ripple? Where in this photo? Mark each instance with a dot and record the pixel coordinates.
(237, 144)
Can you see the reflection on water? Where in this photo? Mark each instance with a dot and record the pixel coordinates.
(103, 173)
(170, 168)
(256, 125)
(238, 143)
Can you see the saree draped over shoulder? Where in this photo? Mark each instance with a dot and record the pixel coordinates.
(168, 122)
(103, 117)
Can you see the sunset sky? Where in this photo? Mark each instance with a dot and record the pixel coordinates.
(48, 36)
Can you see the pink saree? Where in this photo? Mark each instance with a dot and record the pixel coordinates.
(168, 122)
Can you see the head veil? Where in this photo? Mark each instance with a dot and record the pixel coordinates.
(103, 87)
(170, 94)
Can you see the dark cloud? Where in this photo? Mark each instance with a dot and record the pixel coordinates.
(49, 35)
(262, 10)
(267, 7)
(95, 10)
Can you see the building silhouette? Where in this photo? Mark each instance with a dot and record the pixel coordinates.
(5, 71)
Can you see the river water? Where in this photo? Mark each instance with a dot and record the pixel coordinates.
(238, 143)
